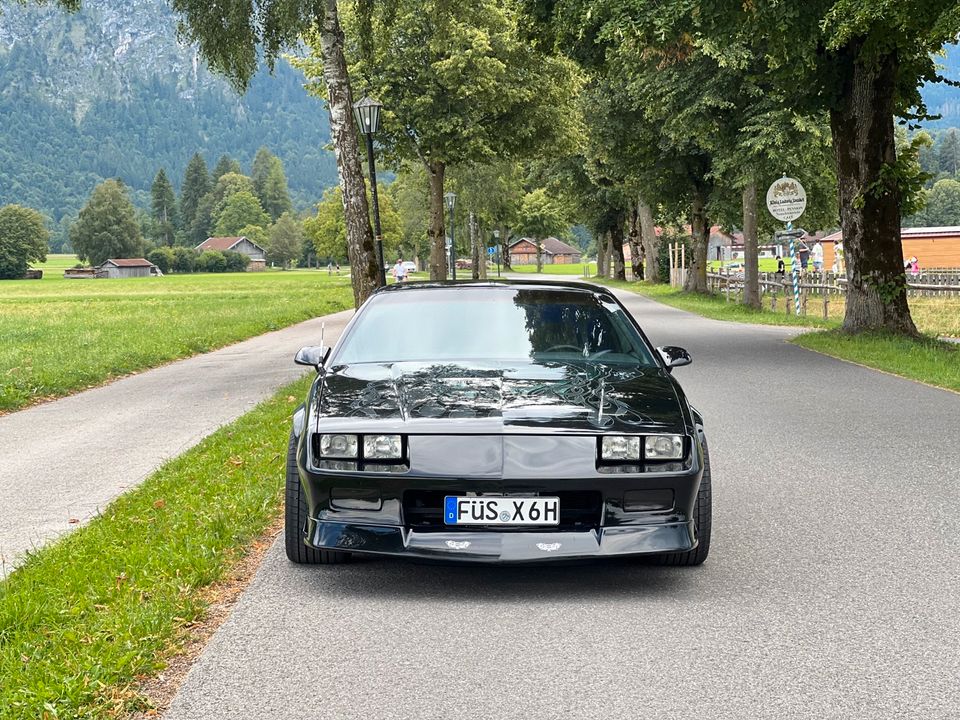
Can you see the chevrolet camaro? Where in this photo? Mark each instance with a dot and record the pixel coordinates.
(496, 422)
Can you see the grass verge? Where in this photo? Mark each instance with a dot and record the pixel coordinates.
(926, 360)
(65, 335)
(86, 618)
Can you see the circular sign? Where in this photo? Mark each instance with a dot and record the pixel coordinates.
(786, 199)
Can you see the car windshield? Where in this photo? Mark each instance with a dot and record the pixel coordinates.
(493, 323)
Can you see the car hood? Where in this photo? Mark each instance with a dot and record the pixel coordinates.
(479, 398)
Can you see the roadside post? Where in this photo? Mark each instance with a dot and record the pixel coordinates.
(786, 201)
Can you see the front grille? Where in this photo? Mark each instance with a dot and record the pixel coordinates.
(579, 510)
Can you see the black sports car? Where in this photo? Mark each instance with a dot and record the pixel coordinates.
(496, 422)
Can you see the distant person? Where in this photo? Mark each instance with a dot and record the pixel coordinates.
(804, 253)
(914, 266)
(817, 257)
(781, 269)
(330, 268)
(338, 268)
(839, 265)
(399, 271)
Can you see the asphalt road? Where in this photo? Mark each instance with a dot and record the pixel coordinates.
(831, 590)
(65, 460)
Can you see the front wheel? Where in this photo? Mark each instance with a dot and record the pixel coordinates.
(703, 514)
(295, 519)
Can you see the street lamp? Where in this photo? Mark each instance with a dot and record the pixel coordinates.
(451, 200)
(367, 113)
(496, 240)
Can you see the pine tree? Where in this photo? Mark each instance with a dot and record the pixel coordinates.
(196, 184)
(262, 164)
(949, 154)
(275, 197)
(226, 164)
(163, 209)
(107, 226)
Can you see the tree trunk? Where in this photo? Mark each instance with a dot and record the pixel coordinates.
(603, 254)
(863, 141)
(697, 258)
(651, 243)
(436, 232)
(474, 248)
(751, 260)
(364, 266)
(616, 242)
(636, 256)
(484, 255)
(505, 247)
(539, 244)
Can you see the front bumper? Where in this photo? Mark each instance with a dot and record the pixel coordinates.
(502, 547)
(603, 512)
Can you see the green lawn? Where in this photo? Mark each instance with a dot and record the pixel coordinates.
(60, 336)
(55, 265)
(927, 360)
(83, 618)
(571, 269)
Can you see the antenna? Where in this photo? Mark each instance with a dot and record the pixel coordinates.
(323, 328)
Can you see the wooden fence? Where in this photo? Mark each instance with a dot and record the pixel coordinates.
(815, 288)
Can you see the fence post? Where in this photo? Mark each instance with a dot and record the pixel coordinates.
(826, 306)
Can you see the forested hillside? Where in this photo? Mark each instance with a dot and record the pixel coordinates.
(109, 92)
(944, 99)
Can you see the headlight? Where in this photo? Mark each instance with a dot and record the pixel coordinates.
(338, 446)
(619, 448)
(382, 447)
(663, 447)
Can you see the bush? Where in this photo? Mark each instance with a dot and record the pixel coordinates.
(184, 259)
(163, 258)
(211, 261)
(236, 262)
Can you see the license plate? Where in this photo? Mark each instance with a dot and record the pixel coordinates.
(501, 510)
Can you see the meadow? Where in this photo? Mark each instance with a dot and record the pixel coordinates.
(569, 269)
(58, 336)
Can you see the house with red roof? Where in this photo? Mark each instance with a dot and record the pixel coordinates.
(555, 252)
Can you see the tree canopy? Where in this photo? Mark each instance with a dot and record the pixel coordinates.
(107, 226)
(23, 240)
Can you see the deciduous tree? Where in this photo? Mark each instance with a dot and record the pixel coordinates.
(459, 85)
(23, 240)
(107, 226)
(239, 210)
(285, 240)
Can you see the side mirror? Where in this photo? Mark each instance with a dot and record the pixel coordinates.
(674, 356)
(313, 355)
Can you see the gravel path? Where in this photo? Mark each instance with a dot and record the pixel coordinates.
(64, 460)
(831, 590)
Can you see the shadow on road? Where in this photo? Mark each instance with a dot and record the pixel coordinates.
(401, 580)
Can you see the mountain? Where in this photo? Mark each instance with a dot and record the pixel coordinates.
(944, 99)
(111, 92)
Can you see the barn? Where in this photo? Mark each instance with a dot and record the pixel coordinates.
(126, 268)
(241, 244)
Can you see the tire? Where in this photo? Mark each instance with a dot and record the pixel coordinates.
(295, 519)
(703, 512)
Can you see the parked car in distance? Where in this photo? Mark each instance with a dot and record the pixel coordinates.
(523, 421)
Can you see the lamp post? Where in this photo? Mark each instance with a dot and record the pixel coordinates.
(451, 200)
(367, 114)
(496, 240)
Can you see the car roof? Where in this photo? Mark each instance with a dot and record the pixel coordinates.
(424, 285)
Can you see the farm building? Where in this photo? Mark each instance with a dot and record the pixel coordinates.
(934, 247)
(127, 268)
(241, 244)
(555, 252)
